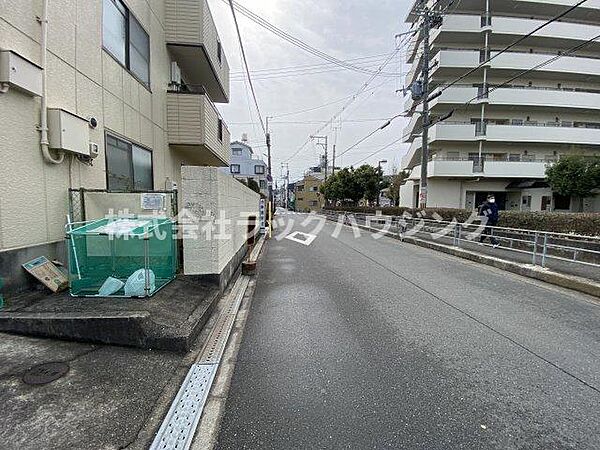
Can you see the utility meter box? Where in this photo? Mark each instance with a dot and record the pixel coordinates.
(20, 73)
(68, 132)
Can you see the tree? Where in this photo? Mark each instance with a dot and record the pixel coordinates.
(574, 176)
(398, 180)
(368, 178)
(342, 186)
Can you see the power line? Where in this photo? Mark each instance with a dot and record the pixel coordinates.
(364, 138)
(376, 57)
(378, 151)
(295, 41)
(360, 91)
(237, 28)
(330, 70)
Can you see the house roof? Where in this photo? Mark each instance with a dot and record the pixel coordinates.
(243, 144)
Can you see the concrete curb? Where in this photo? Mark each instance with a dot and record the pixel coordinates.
(127, 328)
(566, 281)
(249, 264)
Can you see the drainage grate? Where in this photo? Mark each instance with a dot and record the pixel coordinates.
(45, 373)
(179, 426)
(215, 345)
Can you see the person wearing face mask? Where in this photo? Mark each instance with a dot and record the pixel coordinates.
(489, 209)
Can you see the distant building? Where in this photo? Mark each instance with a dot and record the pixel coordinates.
(245, 165)
(307, 195)
(516, 125)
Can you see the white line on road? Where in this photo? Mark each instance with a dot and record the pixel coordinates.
(301, 238)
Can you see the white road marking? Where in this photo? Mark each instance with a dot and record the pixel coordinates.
(306, 238)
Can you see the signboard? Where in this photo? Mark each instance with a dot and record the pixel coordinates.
(47, 273)
(262, 215)
(152, 201)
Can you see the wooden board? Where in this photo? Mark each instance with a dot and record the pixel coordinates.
(47, 273)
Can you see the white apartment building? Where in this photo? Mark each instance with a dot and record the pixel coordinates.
(245, 165)
(503, 141)
(126, 90)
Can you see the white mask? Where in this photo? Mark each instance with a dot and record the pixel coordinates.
(492, 200)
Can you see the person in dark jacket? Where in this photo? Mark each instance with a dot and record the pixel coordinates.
(489, 209)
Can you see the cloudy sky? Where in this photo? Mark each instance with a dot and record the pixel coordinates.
(345, 29)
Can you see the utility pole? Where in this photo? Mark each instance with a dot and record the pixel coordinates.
(269, 175)
(287, 183)
(324, 145)
(379, 177)
(425, 84)
(335, 129)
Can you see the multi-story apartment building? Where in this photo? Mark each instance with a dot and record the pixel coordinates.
(106, 94)
(306, 193)
(500, 139)
(245, 165)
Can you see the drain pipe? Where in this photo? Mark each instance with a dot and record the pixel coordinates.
(44, 144)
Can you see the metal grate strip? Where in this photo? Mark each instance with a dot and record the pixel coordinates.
(179, 426)
(178, 429)
(215, 345)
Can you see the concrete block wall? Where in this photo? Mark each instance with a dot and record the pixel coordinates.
(211, 198)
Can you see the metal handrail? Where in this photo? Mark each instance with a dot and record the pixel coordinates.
(539, 246)
(567, 235)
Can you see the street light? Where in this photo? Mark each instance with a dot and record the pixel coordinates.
(379, 174)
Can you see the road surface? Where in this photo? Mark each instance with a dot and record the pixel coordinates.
(372, 343)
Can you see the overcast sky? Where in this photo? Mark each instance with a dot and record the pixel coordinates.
(345, 29)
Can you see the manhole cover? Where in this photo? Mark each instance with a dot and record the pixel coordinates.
(45, 373)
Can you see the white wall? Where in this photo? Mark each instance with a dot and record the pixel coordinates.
(209, 196)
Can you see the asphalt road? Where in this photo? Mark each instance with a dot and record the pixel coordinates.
(365, 343)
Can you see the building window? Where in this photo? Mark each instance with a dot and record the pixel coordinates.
(126, 40)
(259, 169)
(236, 151)
(220, 130)
(219, 52)
(235, 168)
(262, 184)
(128, 166)
(314, 188)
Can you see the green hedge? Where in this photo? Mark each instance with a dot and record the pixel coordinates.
(578, 223)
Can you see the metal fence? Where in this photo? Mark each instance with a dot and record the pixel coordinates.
(87, 204)
(540, 247)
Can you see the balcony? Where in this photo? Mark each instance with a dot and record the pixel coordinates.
(196, 130)
(529, 97)
(193, 42)
(527, 133)
(466, 29)
(443, 168)
(540, 9)
(453, 63)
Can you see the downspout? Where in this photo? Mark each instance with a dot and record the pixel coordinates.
(44, 144)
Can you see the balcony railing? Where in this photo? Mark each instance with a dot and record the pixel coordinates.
(193, 42)
(195, 127)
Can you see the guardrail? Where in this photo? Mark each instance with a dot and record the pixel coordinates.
(541, 246)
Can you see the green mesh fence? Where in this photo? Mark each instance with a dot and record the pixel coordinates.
(135, 255)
